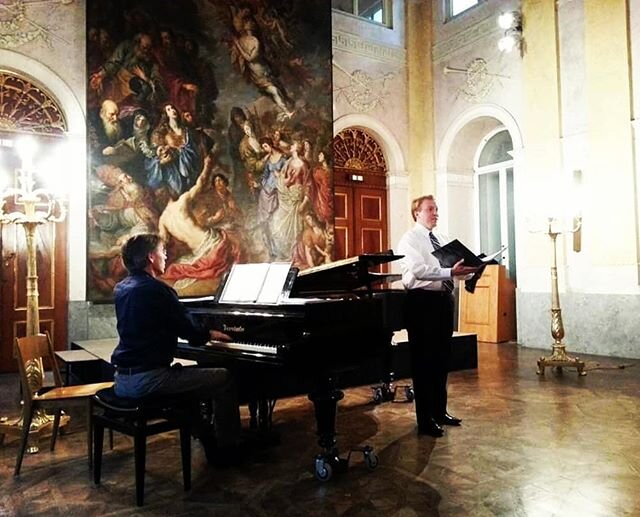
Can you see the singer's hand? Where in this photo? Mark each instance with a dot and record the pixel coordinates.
(459, 269)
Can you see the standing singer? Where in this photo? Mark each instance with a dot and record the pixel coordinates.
(429, 315)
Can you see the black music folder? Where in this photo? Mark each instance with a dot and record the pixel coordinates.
(454, 251)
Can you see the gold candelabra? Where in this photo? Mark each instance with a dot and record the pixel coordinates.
(559, 358)
(29, 207)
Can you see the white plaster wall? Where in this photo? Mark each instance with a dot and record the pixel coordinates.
(634, 32)
(379, 53)
(457, 43)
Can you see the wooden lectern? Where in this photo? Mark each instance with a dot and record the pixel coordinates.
(490, 312)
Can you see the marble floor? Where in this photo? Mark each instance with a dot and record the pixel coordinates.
(559, 445)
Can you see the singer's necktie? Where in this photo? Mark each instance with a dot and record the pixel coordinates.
(446, 284)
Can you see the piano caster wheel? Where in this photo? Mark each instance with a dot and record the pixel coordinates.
(409, 394)
(384, 393)
(324, 470)
(371, 460)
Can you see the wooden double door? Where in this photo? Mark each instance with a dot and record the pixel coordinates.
(360, 213)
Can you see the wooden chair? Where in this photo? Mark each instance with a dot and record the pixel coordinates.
(140, 418)
(33, 352)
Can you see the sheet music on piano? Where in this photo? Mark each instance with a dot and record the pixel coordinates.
(256, 283)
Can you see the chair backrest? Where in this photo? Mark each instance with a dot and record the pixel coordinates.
(32, 352)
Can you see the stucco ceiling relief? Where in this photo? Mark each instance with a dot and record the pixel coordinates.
(478, 81)
(364, 92)
(18, 23)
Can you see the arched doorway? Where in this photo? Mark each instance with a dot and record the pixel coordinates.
(360, 195)
(27, 108)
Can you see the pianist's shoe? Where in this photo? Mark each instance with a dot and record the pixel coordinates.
(222, 457)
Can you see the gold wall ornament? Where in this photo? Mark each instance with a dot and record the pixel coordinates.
(354, 148)
(558, 358)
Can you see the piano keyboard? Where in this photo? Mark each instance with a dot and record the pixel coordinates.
(255, 348)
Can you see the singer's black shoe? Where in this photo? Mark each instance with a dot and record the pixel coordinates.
(431, 428)
(448, 419)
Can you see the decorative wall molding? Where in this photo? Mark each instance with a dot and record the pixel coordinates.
(353, 44)
(478, 81)
(18, 26)
(487, 28)
(364, 92)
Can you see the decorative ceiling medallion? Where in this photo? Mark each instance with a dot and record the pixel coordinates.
(354, 148)
(25, 107)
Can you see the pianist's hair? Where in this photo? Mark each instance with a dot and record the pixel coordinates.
(135, 251)
(417, 202)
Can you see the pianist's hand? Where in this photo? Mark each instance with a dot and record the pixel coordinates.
(216, 335)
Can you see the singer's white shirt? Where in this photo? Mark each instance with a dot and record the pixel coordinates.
(420, 269)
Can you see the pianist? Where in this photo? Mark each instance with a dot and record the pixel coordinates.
(150, 318)
(429, 315)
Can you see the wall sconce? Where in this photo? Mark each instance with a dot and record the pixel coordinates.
(511, 22)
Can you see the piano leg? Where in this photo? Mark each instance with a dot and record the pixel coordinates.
(325, 403)
(253, 414)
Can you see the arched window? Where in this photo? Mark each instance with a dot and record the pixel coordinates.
(493, 181)
(28, 108)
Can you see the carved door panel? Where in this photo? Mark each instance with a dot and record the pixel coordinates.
(344, 223)
(360, 220)
(52, 287)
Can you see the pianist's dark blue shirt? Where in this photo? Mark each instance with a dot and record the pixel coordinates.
(150, 320)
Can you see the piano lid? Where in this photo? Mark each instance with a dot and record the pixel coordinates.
(344, 275)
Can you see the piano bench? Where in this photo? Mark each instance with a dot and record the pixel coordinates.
(140, 418)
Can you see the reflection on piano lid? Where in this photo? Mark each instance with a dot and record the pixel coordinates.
(344, 275)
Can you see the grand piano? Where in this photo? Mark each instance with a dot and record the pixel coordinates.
(329, 328)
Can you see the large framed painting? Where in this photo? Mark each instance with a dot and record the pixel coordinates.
(210, 123)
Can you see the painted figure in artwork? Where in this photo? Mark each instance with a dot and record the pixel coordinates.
(323, 190)
(177, 162)
(203, 118)
(273, 163)
(315, 245)
(292, 186)
(247, 53)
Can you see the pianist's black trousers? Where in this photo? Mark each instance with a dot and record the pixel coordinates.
(430, 327)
